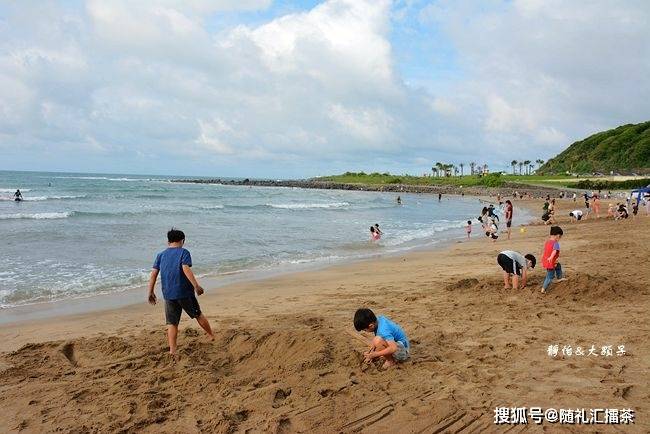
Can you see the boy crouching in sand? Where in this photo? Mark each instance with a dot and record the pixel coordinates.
(178, 287)
(515, 264)
(390, 341)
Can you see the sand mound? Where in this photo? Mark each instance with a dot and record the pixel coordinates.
(463, 284)
(593, 288)
(302, 375)
(578, 287)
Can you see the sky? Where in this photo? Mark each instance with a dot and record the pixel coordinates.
(291, 89)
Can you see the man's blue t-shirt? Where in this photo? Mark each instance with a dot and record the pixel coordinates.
(175, 284)
(389, 331)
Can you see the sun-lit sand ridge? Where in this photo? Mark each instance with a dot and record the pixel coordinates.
(285, 359)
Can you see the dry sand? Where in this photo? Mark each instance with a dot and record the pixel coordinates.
(286, 358)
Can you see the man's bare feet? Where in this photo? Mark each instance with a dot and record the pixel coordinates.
(561, 279)
(543, 291)
(388, 363)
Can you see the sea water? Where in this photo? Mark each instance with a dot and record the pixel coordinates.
(79, 235)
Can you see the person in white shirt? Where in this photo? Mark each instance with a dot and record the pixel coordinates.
(575, 215)
(514, 265)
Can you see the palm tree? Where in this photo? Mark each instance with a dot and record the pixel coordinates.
(521, 164)
(462, 165)
(472, 165)
(435, 171)
(531, 167)
(539, 163)
(526, 163)
(485, 168)
(513, 163)
(440, 167)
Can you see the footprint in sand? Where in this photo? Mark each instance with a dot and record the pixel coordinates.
(280, 396)
(68, 352)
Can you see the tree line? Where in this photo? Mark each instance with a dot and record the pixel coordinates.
(441, 169)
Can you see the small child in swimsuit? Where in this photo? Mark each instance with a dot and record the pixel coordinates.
(374, 234)
(469, 228)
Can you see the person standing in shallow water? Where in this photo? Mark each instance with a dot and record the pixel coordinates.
(508, 215)
(439, 197)
(18, 196)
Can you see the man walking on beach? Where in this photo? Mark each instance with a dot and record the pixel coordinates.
(178, 286)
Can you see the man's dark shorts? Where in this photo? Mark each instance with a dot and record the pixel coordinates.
(508, 265)
(509, 223)
(174, 308)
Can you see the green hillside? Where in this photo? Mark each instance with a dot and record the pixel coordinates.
(625, 149)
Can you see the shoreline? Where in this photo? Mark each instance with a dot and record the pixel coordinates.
(119, 299)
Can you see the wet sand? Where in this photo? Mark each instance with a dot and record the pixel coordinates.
(286, 357)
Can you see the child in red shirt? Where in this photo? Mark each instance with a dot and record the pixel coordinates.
(550, 258)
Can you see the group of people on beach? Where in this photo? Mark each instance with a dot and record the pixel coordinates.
(620, 211)
(390, 343)
(489, 220)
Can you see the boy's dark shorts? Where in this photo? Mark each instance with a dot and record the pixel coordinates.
(509, 223)
(507, 264)
(174, 308)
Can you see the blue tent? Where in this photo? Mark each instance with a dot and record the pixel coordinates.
(639, 192)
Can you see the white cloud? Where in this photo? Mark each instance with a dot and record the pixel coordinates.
(319, 88)
(546, 73)
(210, 136)
(369, 125)
(444, 106)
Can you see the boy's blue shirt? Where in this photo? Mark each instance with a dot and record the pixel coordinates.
(389, 331)
(175, 285)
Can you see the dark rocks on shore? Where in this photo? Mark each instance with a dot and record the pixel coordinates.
(396, 188)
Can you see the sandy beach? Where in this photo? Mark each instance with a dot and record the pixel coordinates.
(287, 359)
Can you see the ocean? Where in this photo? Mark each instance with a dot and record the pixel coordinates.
(80, 235)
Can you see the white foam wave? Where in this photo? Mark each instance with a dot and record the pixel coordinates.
(13, 190)
(36, 216)
(103, 178)
(211, 206)
(407, 236)
(42, 198)
(81, 177)
(308, 205)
